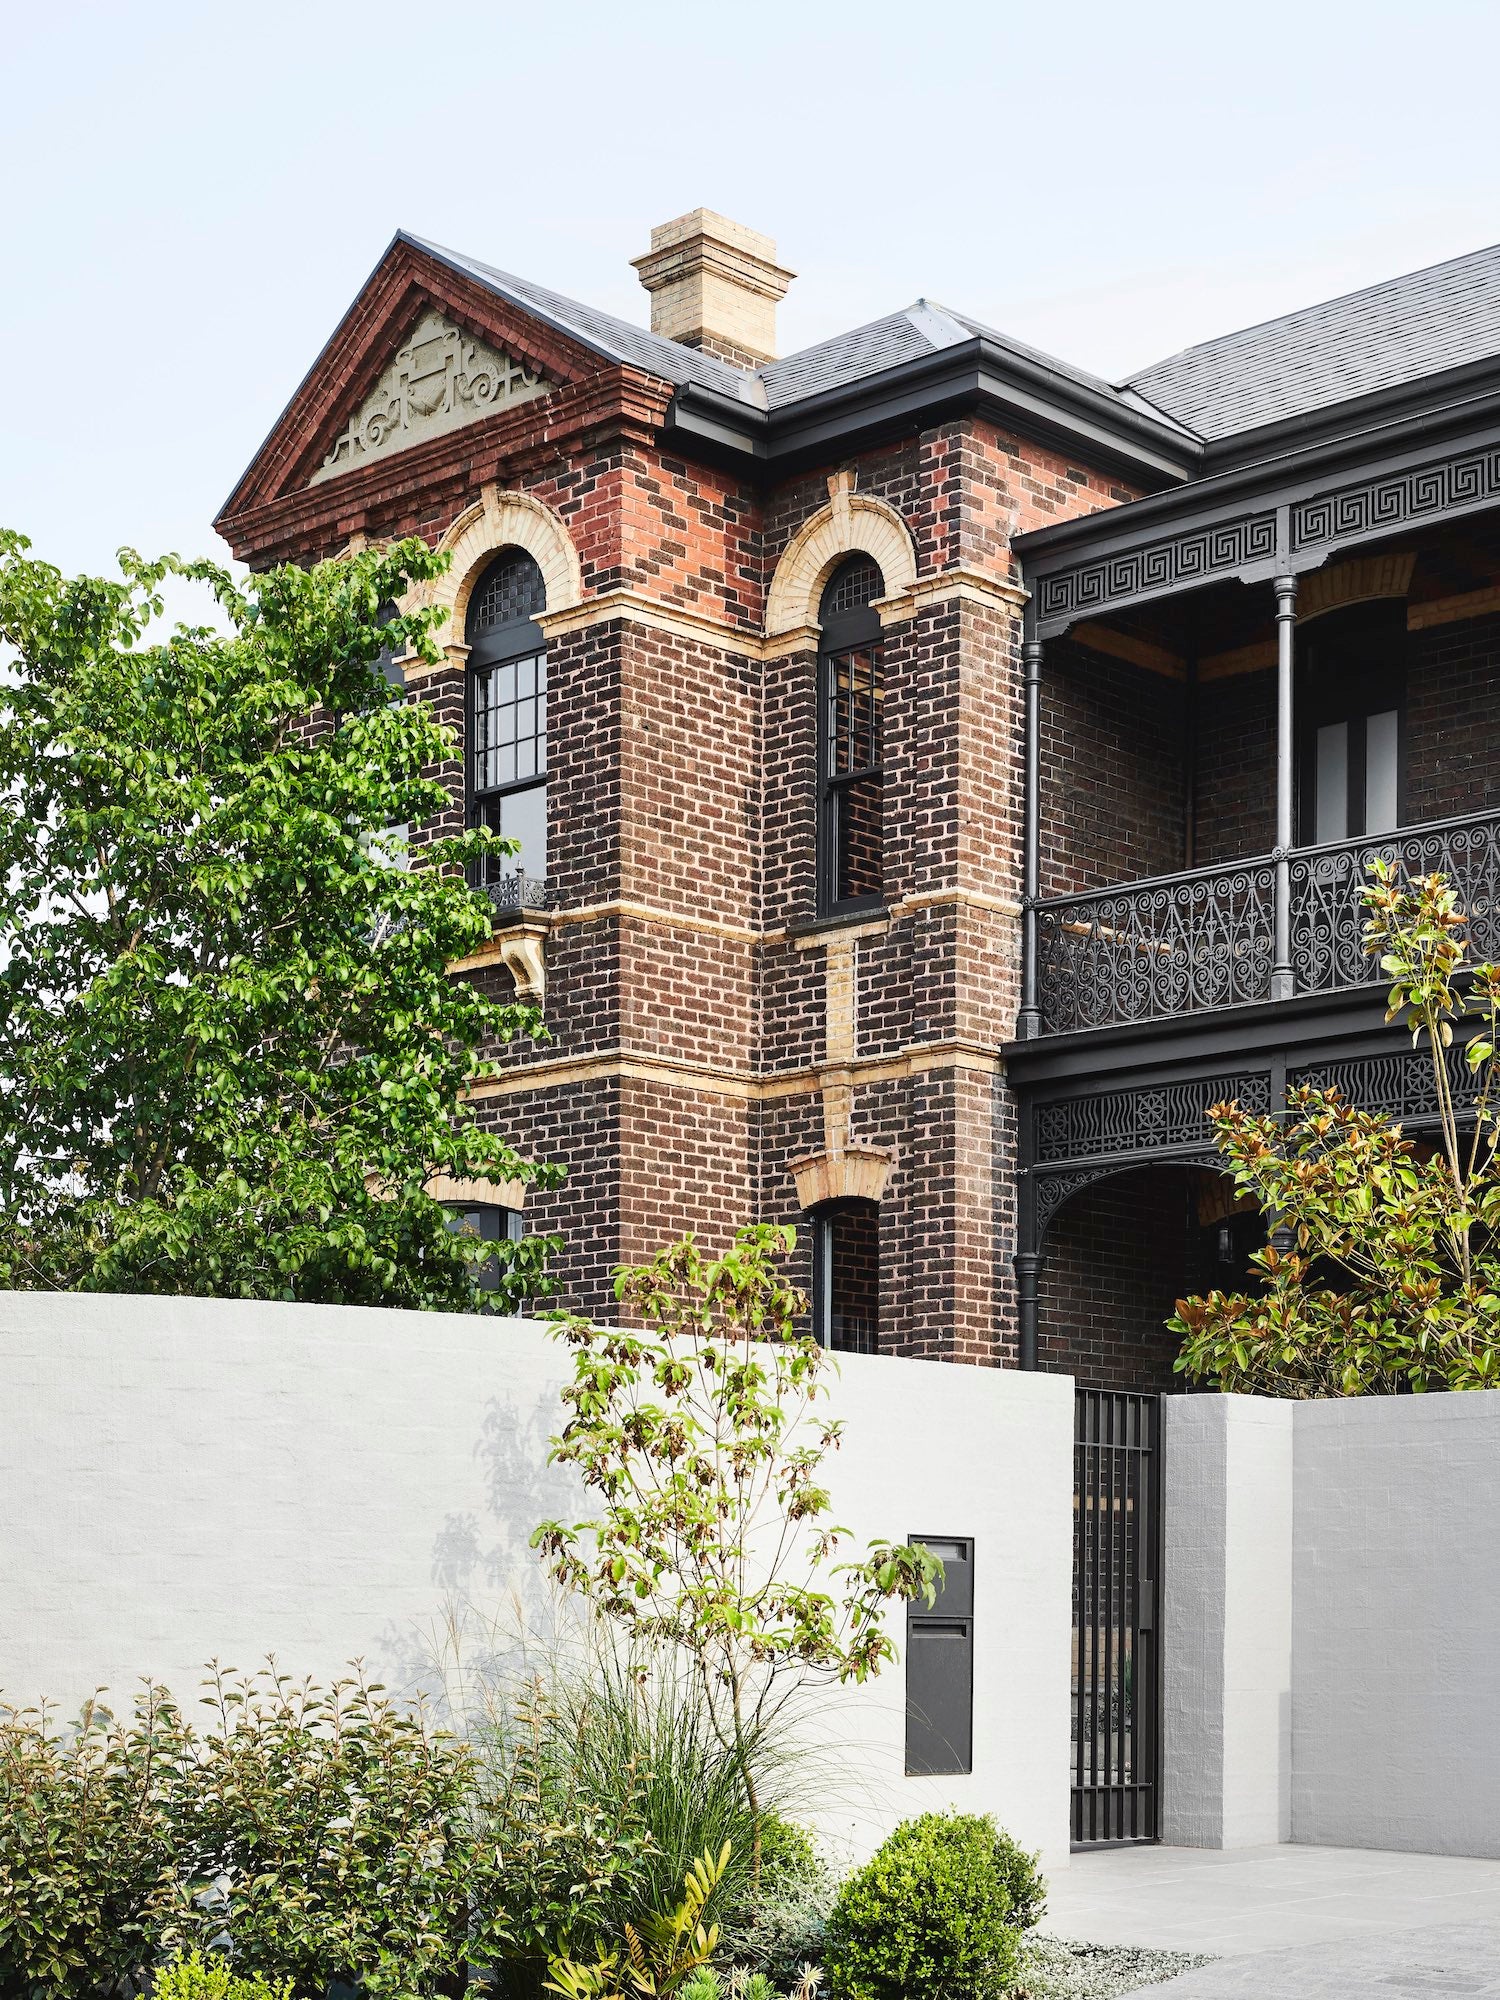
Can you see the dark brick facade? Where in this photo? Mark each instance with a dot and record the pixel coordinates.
(706, 1035)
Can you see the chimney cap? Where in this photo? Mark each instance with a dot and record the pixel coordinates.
(714, 285)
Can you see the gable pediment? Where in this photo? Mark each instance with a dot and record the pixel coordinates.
(440, 378)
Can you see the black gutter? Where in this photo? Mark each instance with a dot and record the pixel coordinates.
(1310, 451)
(973, 373)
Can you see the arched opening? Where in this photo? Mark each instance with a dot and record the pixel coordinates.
(846, 1276)
(1120, 1253)
(851, 872)
(491, 1224)
(507, 725)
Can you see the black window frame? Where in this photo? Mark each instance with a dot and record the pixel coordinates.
(491, 647)
(844, 634)
(824, 1220)
(491, 1224)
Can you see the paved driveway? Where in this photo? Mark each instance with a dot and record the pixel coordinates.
(1266, 1899)
(1448, 1962)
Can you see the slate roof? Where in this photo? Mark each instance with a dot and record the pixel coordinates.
(918, 329)
(616, 338)
(1377, 338)
(1386, 334)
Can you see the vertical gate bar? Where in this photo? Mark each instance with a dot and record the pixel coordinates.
(1080, 1495)
(1157, 1545)
(1095, 1603)
(1111, 1461)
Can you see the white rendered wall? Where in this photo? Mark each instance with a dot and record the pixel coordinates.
(1227, 1620)
(187, 1479)
(1396, 1715)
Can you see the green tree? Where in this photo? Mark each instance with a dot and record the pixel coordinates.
(1383, 1272)
(703, 1440)
(231, 1054)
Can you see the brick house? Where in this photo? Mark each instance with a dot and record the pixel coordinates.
(939, 773)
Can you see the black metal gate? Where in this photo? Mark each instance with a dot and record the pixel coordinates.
(1116, 1661)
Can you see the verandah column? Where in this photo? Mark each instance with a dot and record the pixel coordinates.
(1029, 1019)
(1283, 979)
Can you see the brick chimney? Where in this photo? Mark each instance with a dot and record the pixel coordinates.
(715, 285)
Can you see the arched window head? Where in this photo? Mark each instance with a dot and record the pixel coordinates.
(511, 592)
(856, 583)
(850, 759)
(846, 1276)
(507, 762)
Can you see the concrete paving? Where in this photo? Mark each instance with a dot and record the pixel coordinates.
(1449, 1962)
(1256, 1900)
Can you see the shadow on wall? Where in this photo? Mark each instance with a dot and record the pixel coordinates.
(499, 1615)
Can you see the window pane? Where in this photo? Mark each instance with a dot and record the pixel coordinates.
(1331, 819)
(853, 723)
(850, 1259)
(1380, 772)
(857, 840)
(510, 724)
(523, 817)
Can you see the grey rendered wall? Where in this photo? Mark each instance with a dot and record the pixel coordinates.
(185, 1479)
(1396, 1711)
(1227, 1629)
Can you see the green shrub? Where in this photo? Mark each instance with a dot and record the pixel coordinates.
(930, 1915)
(782, 1930)
(88, 1841)
(599, 1788)
(328, 1835)
(1022, 1875)
(191, 1978)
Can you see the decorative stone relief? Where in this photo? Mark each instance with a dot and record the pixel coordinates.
(440, 379)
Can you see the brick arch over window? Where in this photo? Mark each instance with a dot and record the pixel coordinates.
(499, 521)
(852, 523)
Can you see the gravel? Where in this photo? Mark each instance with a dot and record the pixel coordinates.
(1063, 1969)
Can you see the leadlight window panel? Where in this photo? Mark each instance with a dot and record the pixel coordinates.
(491, 1224)
(853, 585)
(510, 590)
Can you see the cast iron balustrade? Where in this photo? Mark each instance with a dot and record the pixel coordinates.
(1178, 944)
(1192, 943)
(510, 893)
(1328, 915)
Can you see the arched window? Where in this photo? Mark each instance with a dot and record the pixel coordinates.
(850, 870)
(507, 732)
(846, 1276)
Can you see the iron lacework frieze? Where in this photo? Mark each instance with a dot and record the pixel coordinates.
(1145, 1120)
(1080, 1141)
(1397, 1083)
(1197, 555)
(1393, 499)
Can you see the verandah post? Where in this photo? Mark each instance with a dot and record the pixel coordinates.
(1283, 978)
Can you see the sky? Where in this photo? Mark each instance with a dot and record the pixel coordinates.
(196, 193)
